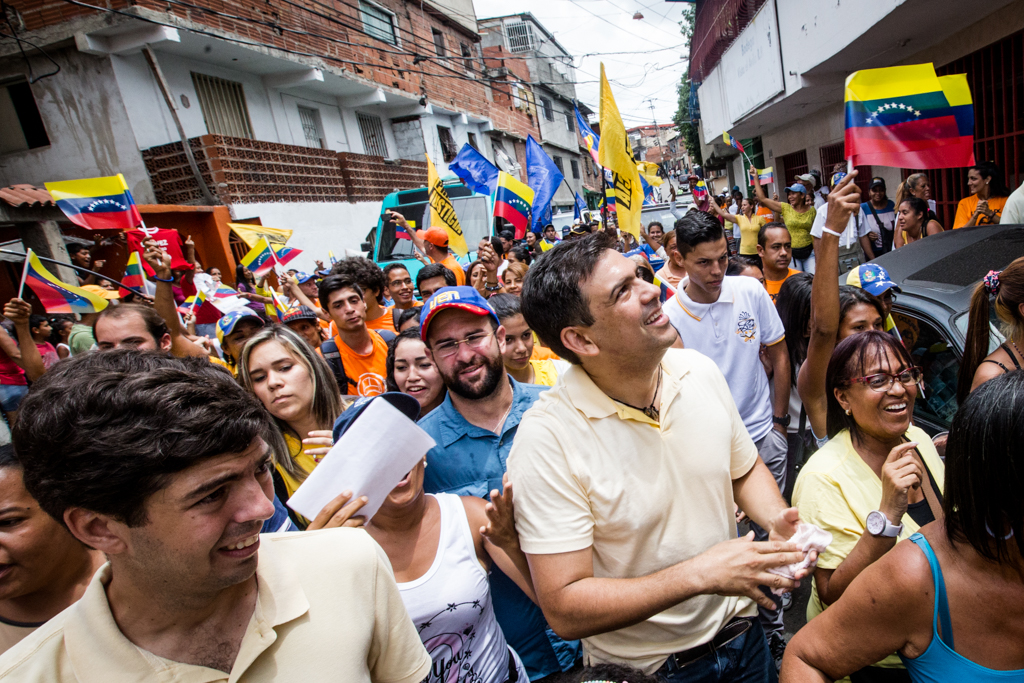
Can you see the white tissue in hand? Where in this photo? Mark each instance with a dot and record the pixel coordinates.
(809, 537)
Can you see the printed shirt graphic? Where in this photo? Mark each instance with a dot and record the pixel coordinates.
(746, 327)
(367, 371)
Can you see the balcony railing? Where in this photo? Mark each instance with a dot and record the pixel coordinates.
(244, 171)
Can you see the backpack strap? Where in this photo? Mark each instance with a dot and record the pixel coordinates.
(329, 350)
(396, 313)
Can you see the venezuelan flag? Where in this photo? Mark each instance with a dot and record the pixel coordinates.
(401, 233)
(57, 296)
(260, 260)
(666, 290)
(134, 276)
(766, 175)
(699, 191)
(276, 310)
(195, 300)
(904, 116)
(286, 254)
(512, 201)
(730, 140)
(97, 203)
(223, 292)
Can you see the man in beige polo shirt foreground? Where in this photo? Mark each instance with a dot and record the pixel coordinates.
(160, 463)
(626, 474)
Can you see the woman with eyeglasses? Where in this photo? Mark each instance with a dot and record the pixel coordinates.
(877, 480)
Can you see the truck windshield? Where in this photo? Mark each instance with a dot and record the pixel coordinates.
(474, 217)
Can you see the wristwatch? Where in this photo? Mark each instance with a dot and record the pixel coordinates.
(784, 420)
(878, 525)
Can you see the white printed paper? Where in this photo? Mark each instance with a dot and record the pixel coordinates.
(376, 453)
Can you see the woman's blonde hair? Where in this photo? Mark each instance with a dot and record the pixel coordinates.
(326, 405)
(518, 268)
(907, 187)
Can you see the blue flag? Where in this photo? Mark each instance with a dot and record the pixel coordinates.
(543, 177)
(473, 168)
(581, 206)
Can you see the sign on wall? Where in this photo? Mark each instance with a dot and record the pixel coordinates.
(752, 66)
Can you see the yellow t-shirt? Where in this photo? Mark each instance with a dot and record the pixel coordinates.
(965, 209)
(304, 460)
(544, 372)
(836, 490)
(799, 225)
(749, 228)
(327, 602)
(670, 500)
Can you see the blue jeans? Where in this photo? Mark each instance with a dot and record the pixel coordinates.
(745, 659)
(11, 395)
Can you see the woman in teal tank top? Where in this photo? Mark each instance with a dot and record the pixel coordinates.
(950, 600)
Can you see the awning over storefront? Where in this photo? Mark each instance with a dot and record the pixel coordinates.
(251, 234)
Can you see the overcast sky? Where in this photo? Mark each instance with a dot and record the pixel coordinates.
(643, 70)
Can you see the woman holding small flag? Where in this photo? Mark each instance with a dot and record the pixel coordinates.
(798, 217)
(750, 225)
(988, 197)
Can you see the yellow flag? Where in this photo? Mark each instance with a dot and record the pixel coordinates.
(442, 212)
(649, 171)
(616, 155)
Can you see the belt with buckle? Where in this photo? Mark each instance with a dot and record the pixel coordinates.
(734, 629)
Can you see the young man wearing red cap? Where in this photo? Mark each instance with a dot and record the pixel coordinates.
(434, 243)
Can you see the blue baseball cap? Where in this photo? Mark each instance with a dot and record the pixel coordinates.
(872, 278)
(796, 187)
(228, 321)
(462, 298)
(303, 278)
(404, 402)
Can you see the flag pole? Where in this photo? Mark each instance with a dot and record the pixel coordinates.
(69, 265)
(24, 274)
(604, 207)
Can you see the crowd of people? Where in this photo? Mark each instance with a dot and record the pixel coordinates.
(608, 413)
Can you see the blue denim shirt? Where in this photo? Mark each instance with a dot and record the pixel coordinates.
(469, 461)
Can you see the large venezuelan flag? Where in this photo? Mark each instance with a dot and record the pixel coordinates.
(57, 296)
(512, 201)
(97, 203)
(261, 258)
(908, 117)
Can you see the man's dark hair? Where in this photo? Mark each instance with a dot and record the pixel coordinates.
(697, 227)
(104, 431)
(762, 234)
(740, 262)
(331, 284)
(363, 272)
(155, 325)
(7, 456)
(552, 296)
(408, 314)
(507, 235)
(75, 247)
(393, 266)
(653, 223)
(497, 244)
(34, 321)
(505, 305)
(436, 270)
(522, 253)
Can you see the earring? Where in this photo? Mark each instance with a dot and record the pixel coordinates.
(847, 411)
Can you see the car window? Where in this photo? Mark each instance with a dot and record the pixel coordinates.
(995, 337)
(933, 353)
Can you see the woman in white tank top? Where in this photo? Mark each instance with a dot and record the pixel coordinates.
(440, 558)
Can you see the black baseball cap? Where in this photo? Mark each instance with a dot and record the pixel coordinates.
(875, 182)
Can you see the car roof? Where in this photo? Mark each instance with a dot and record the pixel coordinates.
(946, 267)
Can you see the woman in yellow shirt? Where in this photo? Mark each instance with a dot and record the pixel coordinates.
(749, 225)
(878, 479)
(798, 217)
(912, 222)
(298, 389)
(988, 197)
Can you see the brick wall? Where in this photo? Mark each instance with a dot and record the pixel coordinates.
(333, 31)
(239, 170)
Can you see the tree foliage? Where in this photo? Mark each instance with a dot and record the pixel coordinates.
(683, 120)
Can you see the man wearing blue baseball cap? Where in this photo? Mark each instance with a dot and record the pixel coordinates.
(474, 428)
(875, 280)
(233, 330)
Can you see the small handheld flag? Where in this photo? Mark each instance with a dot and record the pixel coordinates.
(260, 259)
(908, 117)
(590, 138)
(512, 202)
(134, 276)
(730, 140)
(97, 203)
(764, 175)
(223, 292)
(286, 254)
(196, 300)
(277, 309)
(700, 191)
(330, 255)
(57, 296)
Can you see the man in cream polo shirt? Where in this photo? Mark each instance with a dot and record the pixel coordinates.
(160, 464)
(625, 476)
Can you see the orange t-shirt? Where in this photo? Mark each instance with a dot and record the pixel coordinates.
(766, 213)
(367, 371)
(773, 286)
(452, 264)
(541, 352)
(385, 322)
(965, 209)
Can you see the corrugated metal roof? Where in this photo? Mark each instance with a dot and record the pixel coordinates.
(25, 196)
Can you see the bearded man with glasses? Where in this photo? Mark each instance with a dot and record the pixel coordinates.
(474, 428)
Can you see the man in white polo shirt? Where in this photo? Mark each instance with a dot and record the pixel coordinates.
(626, 474)
(160, 464)
(730, 320)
